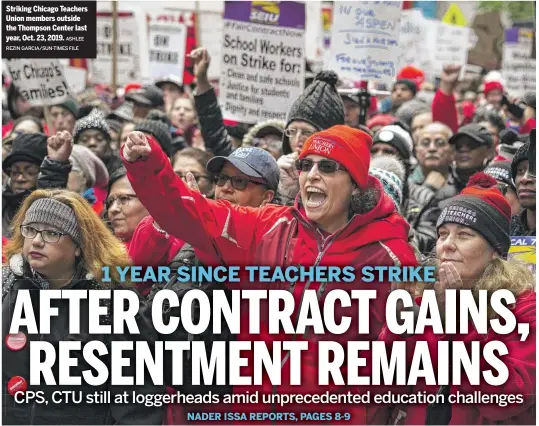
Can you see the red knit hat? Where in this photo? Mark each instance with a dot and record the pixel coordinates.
(412, 73)
(492, 85)
(381, 120)
(481, 206)
(131, 86)
(346, 145)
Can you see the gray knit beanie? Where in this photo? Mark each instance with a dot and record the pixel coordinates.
(90, 165)
(54, 213)
(319, 105)
(409, 109)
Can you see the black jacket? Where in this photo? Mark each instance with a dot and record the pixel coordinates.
(423, 209)
(212, 127)
(187, 257)
(18, 276)
(52, 174)
(519, 225)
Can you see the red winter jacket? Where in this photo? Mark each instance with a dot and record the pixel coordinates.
(444, 110)
(149, 247)
(520, 362)
(278, 236)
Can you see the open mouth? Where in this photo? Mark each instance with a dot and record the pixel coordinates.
(315, 197)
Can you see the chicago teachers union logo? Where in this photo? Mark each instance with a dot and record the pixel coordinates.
(265, 12)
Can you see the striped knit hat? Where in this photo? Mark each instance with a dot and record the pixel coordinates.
(482, 207)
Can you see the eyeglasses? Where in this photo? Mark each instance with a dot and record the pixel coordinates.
(197, 177)
(47, 235)
(123, 200)
(324, 166)
(438, 143)
(27, 173)
(237, 182)
(291, 133)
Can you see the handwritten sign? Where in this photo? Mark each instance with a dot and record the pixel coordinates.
(416, 41)
(365, 40)
(518, 67)
(451, 46)
(131, 49)
(263, 59)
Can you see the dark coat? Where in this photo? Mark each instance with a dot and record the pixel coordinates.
(212, 127)
(18, 276)
(52, 174)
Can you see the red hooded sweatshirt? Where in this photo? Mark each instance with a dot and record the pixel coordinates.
(280, 236)
(520, 362)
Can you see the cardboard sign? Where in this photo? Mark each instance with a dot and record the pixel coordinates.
(211, 33)
(40, 81)
(416, 41)
(76, 78)
(132, 48)
(263, 59)
(451, 46)
(365, 40)
(167, 49)
(518, 67)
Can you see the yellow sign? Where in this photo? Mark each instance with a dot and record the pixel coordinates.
(454, 16)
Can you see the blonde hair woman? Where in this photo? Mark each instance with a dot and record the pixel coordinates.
(60, 243)
(471, 251)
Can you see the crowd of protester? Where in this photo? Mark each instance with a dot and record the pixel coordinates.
(158, 177)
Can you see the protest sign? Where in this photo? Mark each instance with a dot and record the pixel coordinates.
(132, 48)
(416, 41)
(211, 33)
(187, 18)
(40, 81)
(518, 67)
(523, 250)
(167, 49)
(263, 59)
(76, 78)
(365, 40)
(451, 46)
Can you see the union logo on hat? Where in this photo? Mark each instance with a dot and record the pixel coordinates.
(242, 152)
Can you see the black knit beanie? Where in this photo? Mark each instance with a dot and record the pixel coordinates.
(408, 83)
(159, 131)
(95, 121)
(521, 155)
(482, 207)
(320, 105)
(31, 147)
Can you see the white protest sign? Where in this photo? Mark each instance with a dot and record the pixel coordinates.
(167, 49)
(76, 78)
(518, 67)
(132, 48)
(211, 33)
(263, 60)
(451, 46)
(416, 41)
(40, 81)
(365, 40)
